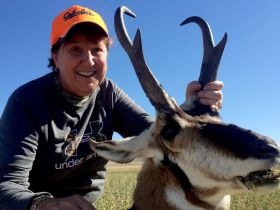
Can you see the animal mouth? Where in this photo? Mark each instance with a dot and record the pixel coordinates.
(260, 178)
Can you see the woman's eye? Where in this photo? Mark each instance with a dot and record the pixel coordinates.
(96, 50)
(76, 50)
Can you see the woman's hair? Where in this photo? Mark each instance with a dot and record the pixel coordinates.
(87, 29)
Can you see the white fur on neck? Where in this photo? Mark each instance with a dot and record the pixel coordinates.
(176, 197)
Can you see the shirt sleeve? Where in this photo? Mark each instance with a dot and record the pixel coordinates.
(18, 144)
(129, 118)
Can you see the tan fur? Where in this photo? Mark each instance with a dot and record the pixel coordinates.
(149, 185)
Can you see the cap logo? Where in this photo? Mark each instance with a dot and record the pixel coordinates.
(69, 15)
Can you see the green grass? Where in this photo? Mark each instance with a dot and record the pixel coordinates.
(121, 181)
(119, 187)
(250, 201)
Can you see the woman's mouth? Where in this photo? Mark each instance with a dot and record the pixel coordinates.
(86, 73)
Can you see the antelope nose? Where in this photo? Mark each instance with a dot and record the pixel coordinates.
(270, 151)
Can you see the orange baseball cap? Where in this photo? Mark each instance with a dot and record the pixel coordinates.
(68, 18)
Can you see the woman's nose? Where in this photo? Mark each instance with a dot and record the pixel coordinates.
(88, 59)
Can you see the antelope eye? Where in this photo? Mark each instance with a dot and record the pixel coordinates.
(170, 130)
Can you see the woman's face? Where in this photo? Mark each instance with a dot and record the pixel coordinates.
(82, 64)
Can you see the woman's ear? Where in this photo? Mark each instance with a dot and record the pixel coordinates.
(54, 57)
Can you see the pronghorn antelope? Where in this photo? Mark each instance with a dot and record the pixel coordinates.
(191, 162)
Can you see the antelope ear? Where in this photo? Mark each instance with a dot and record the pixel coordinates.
(122, 151)
(111, 150)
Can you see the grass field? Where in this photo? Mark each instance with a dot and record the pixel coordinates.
(121, 181)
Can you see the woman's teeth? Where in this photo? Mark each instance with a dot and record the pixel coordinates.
(86, 73)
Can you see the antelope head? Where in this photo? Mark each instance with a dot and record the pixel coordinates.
(215, 158)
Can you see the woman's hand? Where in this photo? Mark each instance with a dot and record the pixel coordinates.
(211, 94)
(74, 202)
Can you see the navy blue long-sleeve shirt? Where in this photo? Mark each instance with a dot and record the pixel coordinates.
(44, 136)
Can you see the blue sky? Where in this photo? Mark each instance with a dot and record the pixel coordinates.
(250, 66)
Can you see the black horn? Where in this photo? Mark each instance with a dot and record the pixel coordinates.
(211, 54)
(210, 64)
(153, 89)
